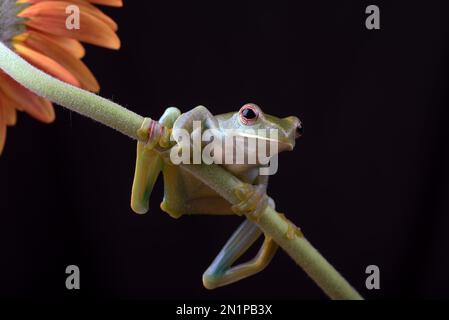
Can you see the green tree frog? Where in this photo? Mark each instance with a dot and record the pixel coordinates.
(185, 194)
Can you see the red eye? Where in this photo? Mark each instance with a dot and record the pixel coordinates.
(249, 114)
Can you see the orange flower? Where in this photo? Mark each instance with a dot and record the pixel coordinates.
(37, 31)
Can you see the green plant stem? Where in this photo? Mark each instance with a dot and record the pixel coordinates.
(278, 227)
(75, 99)
(128, 122)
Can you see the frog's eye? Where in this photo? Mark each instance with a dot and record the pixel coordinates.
(249, 114)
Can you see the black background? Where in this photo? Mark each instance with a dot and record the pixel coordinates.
(368, 182)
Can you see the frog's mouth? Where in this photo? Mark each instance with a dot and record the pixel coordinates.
(285, 144)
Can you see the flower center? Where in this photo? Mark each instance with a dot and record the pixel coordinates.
(10, 24)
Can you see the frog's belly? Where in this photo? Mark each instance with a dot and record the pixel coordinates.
(186, 194)
(195, 188)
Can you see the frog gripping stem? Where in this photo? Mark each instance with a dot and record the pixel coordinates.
(129, 123)
(149, 163)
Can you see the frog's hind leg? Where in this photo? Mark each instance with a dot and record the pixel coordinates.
(221, 272)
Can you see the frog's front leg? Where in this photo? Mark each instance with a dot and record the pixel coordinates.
(183, 192)
(148, 163)
(220, 272)
(185, 122)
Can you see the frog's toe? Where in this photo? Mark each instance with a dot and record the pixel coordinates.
(244, 191)
(254, 201)
(173, 211)
(152, 131)
(241, 208)
(261, 205)
(258, 193)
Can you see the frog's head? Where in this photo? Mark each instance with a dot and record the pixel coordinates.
(288, 129)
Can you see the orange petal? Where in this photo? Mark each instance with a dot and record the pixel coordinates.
(72, 46)
(25, 100)
(11, 115)
(84, 5)
(111, 3)
(74, 66)
(46, 64)
(9, 109)
(50, 17)
(97, 13)
(2, 128)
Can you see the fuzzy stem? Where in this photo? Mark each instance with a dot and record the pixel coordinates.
(284, 233)
(73, 98)
(113, 115)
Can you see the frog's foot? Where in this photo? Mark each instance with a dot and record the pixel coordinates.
(254, 200)
(222, 271)
(154, 133)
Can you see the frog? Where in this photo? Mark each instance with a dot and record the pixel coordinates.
(185, 194)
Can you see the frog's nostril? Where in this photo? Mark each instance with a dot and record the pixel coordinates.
(299, 129)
